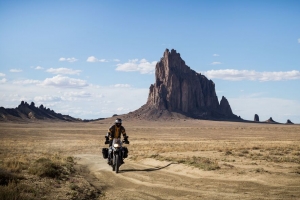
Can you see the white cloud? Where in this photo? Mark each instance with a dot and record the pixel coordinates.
(1, 74)
(46, 98)
(238, 75)
(68, 59)
(63, 71)
(142, 66)
(215, 63)
(81, 94)
(94, 59)
(4, 80)
(216, 55)
(122, 85)
(15, 70)
(299, 40)
(116, 60)
(89, 102)
(26, 82)
(38, 67)
(64, 81)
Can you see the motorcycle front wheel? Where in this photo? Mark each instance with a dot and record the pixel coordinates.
(117, 163)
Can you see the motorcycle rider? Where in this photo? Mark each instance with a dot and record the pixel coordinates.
(115, 131)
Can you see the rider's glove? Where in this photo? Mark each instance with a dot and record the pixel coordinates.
(106, 140)
(125, 140)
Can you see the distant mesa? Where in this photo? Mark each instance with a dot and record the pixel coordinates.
(180, 92)
(256, 118)
(289, 122)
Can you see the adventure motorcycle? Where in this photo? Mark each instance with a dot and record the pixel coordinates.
(116, 153)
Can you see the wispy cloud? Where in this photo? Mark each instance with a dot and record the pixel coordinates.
(68, 59)
(63, 71)
(81, 94)
(26, 82)
(4, 80)
(94, 59)
(215, 55)
(122, 85)
(142, 66)
(74, 97)
(216, 63)
(64, 81)
(38, 68)
(46, 98)
(1, 74)
(15, 70)
(299, 40)
(238, 75)
(116, 60)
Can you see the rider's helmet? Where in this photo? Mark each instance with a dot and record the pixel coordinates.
(118, 122)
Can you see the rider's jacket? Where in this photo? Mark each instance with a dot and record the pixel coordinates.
(115, 132)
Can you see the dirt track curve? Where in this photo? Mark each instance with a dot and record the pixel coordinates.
(164, 180)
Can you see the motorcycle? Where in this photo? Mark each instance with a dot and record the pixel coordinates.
(116, 153)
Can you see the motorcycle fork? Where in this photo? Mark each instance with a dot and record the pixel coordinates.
(116, 152)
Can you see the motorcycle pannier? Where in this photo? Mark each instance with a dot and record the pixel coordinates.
(105, 152)
(125, 152)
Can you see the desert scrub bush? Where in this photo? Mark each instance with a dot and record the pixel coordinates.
(12, 191)
(228, 152)
(44, 167)
(7, 177)
(16, 164)
(245, 151)
(198, 162)
(52, 168)
(203, 163)
(9, 188)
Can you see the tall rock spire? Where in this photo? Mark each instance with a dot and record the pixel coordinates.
(179, 89)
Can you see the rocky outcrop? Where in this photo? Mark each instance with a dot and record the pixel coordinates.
(256, 118)
(29, 112)
(180, 91)
(225, 107)
(270, 120)
(289, 122)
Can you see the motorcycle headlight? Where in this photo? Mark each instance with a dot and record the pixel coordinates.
(116, 145)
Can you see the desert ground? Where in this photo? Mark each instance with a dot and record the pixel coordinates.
(175, 159)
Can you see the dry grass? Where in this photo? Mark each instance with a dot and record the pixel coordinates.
(37, 161)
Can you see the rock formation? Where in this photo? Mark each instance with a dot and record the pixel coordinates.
(289, 122)
(29, 112)
(256, 118)
(179, 90)
(270, 120)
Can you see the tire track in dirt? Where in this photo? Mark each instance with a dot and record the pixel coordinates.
(139, 181)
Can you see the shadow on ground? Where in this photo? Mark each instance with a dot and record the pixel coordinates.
(145, 170)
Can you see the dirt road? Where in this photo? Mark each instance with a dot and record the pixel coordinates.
(153, 179)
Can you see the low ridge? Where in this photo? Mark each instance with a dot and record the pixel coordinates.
(30, 112)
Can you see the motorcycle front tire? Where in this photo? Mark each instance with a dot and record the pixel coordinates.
(113, 164)
(117, 163)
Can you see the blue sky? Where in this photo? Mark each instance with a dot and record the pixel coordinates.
(92, 59)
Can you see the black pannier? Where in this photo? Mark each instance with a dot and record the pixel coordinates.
(105, 152)
(125, 152)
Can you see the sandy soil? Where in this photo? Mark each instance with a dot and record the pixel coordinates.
(251, 161)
